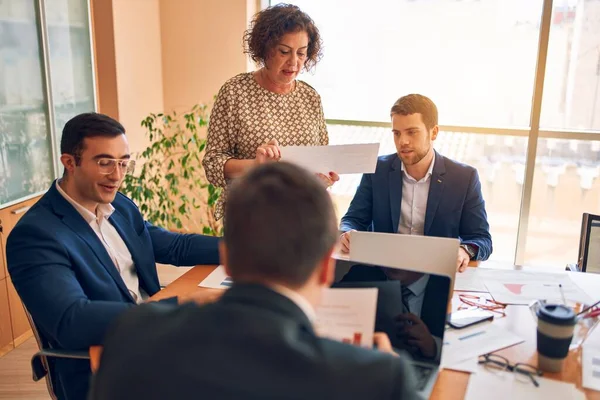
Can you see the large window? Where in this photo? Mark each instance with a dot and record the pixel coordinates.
(478, 60)
(46, 78)
(572, 84)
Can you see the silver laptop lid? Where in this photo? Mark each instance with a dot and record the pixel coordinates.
(411, 252)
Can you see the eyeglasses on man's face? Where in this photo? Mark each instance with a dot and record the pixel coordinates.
(107, 166)
(526, 372)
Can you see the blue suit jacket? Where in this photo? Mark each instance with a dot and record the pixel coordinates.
(455, 206)
(70, 285)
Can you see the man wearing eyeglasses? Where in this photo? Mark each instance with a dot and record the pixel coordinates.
(83, 254)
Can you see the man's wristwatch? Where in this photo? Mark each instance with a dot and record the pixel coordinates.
(470, 249)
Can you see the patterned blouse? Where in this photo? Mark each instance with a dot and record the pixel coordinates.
(246, 116)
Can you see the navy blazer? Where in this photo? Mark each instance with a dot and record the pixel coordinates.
(70, 285)
(455, 206)
(253, 343)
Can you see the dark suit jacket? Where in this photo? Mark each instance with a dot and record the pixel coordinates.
(70, 285)
(455, 206)
(251, 344)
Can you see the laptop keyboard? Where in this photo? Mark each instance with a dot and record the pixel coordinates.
(423, 374)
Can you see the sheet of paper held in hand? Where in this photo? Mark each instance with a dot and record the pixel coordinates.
(347, 315)
(342, 159)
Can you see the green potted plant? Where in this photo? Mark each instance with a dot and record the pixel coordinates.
(170, 188)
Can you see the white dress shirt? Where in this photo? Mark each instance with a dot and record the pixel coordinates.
(113, 243)
(297, 299)
(414, 202)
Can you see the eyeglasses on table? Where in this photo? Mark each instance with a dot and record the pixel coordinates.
(500, 363)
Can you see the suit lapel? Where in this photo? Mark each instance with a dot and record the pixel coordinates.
(395, 187)
(436, 189)
(81, 228)
(132, 242)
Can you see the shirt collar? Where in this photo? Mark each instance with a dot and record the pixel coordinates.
(297, 299)
(102, 211)
(427, 175)
(419, 286)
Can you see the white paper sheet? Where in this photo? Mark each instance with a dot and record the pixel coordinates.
(469, 343)
(217, 279)
(342, 159)
(523, 287)
(590, 367)
(339, 255)
(469, 281)
(589, 283)
(348, 315)
(501, 385)
(469, 366)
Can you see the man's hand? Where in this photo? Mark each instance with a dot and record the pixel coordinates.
(328, 180)
(201, 296)
(415, 333)
(462, 262)
(268, 152)
(381, 342)
(345, 241)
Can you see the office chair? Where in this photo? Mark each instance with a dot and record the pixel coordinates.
(39, 362)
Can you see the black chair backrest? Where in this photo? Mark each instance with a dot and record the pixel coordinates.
(39, 362)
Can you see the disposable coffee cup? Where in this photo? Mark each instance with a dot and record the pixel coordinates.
(554, 335)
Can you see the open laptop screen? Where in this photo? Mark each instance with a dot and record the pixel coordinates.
(589, 246)
(592, 262)
(411, 307)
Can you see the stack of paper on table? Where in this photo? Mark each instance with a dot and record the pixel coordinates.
(590, 361)
(344, 314)
(217, 279)
(469, 281)
(463, 346)
(500, 385)
(521, 287)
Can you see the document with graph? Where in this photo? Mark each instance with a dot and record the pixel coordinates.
(217, 279)
(348, 315)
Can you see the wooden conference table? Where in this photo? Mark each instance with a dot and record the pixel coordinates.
(450, 385)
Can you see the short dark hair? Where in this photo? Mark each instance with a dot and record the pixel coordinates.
(268, 27)
(84, 126)
(279, 222)
(417, 103)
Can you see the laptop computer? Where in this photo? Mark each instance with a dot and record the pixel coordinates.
(400, 316)
(589, 244)
(429, 254)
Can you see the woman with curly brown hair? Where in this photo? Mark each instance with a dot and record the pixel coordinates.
(259, 111)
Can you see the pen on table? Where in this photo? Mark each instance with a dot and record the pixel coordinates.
(562, 294)
(588, 308)
(470, 335)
